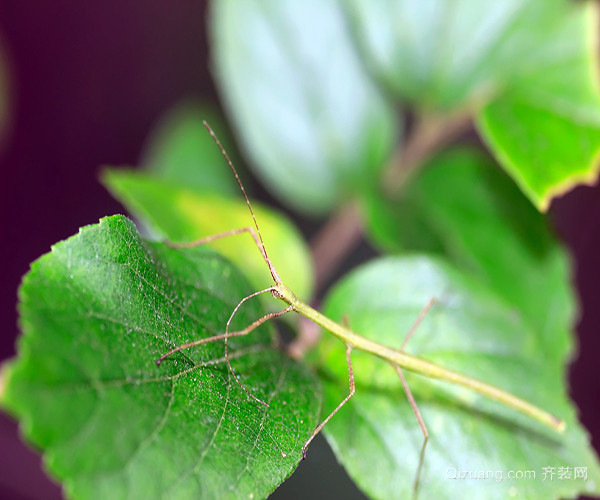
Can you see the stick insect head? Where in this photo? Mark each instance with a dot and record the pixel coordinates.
(283, 292)
(260, 242)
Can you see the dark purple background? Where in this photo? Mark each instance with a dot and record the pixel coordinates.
(89, 80)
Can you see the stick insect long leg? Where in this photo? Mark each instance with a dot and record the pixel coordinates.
(222, 336)
(258, 240)
(344, 401)
(410, 397)
(225, 336)
(248, 329)
(218, 236)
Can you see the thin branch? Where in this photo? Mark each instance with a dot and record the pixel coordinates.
(429, 134)
(344, 230)
(334, 241)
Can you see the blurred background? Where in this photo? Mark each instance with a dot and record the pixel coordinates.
(86, 82)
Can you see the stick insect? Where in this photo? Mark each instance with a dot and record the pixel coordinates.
(397, 358)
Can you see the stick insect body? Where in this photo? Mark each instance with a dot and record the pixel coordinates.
(398, 358)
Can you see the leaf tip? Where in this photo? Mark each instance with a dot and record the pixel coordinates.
(106, 175)
(589, 177)
(114, 179)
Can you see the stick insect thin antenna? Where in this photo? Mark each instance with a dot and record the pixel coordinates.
(274, 274)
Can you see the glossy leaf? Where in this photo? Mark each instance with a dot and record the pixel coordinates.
(96, 314)
(545, 128)
(181, 214)
(376, 436)
(315, 127)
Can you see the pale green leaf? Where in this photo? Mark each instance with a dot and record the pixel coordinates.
(315, 127)
(181, 214)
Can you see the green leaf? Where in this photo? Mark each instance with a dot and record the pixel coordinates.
(96, 313)
(180, 150)
(545, 129)
(180, 214)
(528, 70)
(315, 127)
(463, 207)
(470, 330)
(441, 55)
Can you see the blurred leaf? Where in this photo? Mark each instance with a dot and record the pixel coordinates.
(465, 208)
(181, 214)
(376, 436)
(96, 313)
(440, 55)
(545, 129)
(180, 150)
(534, 62)
(315, 127)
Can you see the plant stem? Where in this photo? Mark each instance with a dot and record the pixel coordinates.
(428, 135)
(340, 234)
(344, 230)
